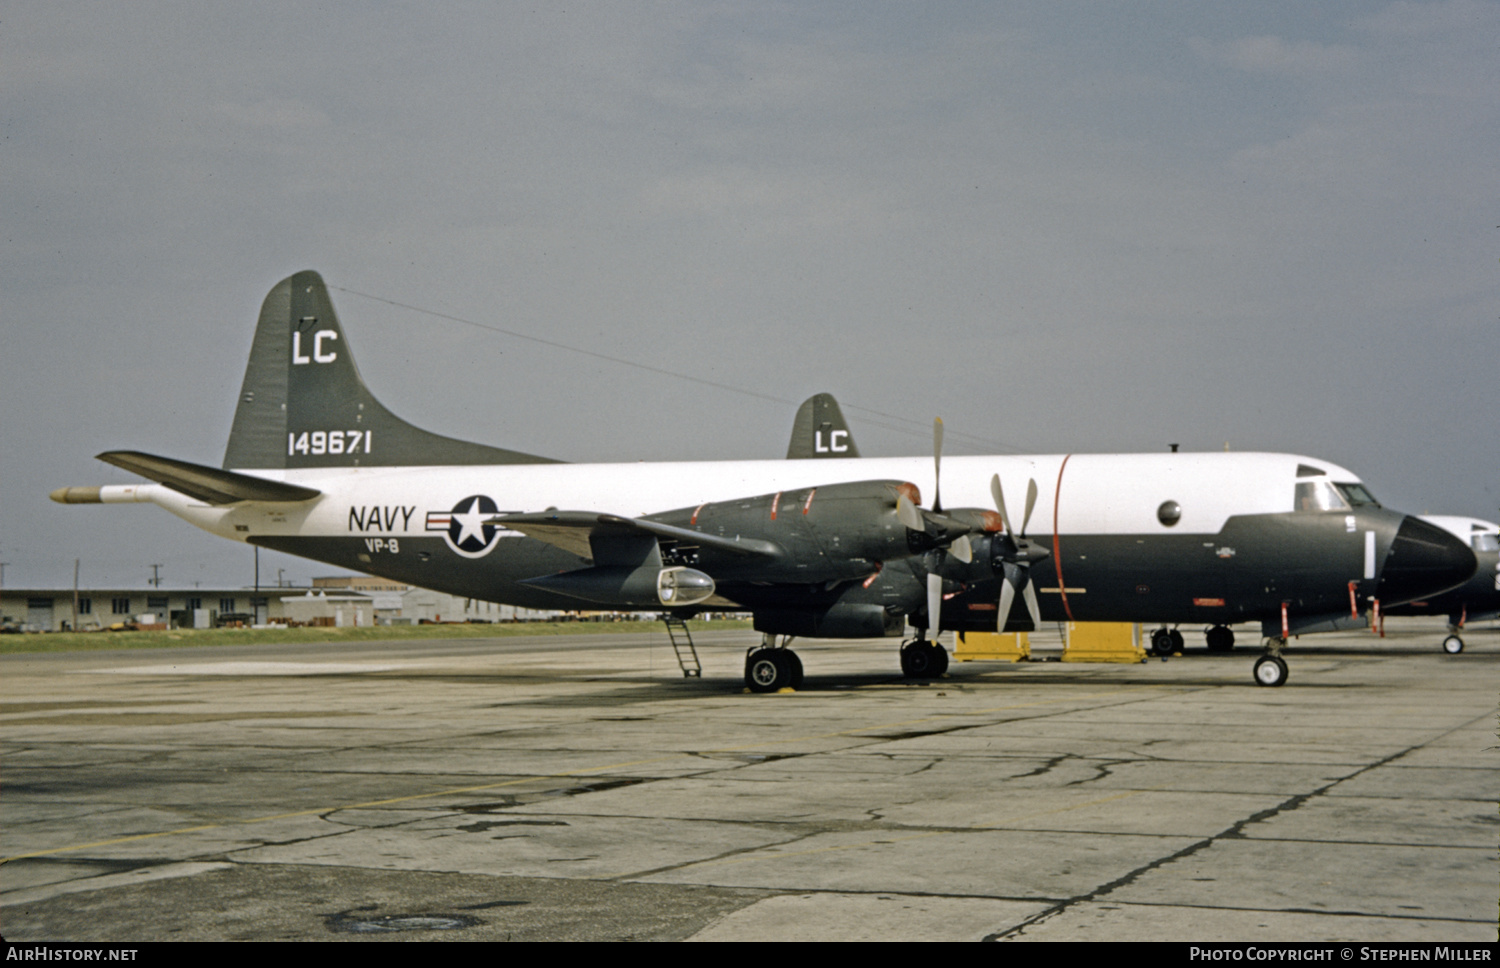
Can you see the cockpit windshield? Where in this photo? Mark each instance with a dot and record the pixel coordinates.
(1319, 496)
(1357, 496)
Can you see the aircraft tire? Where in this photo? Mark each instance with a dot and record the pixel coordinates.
(794, 662)
(1161, 642)
(1175, 637)
(919, 660)
(1220, 638)
(939, 660)
(1453, 645)
(1270, 670)
(768, 670)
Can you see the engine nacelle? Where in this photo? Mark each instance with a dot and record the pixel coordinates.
(841, 621)
(834, 532)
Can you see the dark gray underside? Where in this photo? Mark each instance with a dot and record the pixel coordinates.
(1244, 573)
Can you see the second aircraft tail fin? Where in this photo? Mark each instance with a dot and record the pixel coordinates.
(819, 430)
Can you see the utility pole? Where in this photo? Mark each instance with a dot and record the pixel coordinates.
(75, 594)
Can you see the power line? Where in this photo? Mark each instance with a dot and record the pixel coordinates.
(675, 374)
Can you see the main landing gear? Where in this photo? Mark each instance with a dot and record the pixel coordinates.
(772, 667)
(1165, 641)
(921, 659)
(1220, 638)
(1453, 645)
(1270, 669)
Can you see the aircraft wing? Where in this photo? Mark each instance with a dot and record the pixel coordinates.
(208, 484)
(578, 531)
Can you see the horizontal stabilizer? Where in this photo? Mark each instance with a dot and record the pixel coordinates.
(576, 531)
(208, 484)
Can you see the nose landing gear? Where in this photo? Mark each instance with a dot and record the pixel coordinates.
(1270, 669)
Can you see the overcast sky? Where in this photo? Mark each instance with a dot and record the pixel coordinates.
(1059, 226)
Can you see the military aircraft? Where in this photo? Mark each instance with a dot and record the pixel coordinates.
(1477, 599)
(317, 467)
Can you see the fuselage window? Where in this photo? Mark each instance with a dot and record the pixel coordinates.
(1319, 496)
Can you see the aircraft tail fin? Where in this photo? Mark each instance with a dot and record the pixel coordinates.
(303, 403)
(820, 431)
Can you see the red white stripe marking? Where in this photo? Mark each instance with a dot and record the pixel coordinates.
(1062, 586)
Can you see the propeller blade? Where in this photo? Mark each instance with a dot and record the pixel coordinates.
(1031, 605)
(908, 515)
(1007, 598)
(937, 464)
(962, 550)
(934, 604)
(1017, 578)
(999, 497)
(1030, 504)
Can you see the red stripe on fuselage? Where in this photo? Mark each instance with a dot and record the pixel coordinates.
(1062, 586)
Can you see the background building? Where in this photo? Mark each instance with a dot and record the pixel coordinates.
(345, 600)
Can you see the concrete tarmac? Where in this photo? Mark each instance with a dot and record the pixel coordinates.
(581, 788)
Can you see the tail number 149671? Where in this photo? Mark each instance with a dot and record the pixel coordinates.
(328, 442)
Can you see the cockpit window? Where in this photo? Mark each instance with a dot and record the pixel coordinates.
(1357, 496)
(1319, 496)
(1485, 542)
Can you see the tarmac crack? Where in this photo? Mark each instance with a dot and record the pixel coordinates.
(1235, 831)
(1102, 771)
(1333, 912)
(1047, 766)
(726, 856)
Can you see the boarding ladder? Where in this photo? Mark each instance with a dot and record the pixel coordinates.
(682, 644)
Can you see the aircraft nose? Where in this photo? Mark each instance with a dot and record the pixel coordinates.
(1424, 560)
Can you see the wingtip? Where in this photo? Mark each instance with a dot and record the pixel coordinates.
(76, 495)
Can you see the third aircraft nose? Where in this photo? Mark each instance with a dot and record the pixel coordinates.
(1423, 560)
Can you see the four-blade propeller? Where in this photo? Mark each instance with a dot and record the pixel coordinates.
(1014, 557)
(958, 545)
(1011, 553)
